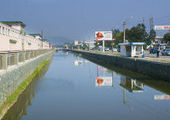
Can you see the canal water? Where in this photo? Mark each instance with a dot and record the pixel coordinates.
(73, 88)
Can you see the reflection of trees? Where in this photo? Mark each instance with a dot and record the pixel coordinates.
(19, 109)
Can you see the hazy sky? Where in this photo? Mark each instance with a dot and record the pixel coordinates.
(78, 19)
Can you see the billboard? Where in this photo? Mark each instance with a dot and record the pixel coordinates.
(162, 27)
(103, 35)
(104, 81)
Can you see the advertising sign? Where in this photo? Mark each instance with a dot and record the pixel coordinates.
(162, 27)
(76, 42)
(104, 81)
(103, 35)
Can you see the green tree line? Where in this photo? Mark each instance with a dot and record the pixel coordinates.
(135, 34)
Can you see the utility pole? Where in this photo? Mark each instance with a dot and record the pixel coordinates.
(151, 23)
(124, 23)
(103, 46)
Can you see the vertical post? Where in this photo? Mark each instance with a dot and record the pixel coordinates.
(23, 56)
(112, 45)
(143, 54)
(103, 46)
(16, 58)
(4, 57)
(132, 51)
(124, 34)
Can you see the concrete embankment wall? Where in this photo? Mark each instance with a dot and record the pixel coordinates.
(11, 78)
(153, 69)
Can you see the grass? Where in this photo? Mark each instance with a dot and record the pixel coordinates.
(14, 96)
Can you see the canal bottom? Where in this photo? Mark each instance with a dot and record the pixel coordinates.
(74, 88)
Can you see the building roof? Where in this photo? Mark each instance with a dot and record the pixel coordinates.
(36, 34)
(45, 40)
(13, 23)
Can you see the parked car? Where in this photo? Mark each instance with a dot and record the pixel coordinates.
(107, 49)
(166, 52)
(114, 50)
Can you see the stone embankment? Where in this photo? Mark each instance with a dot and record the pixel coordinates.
(14, 77)
(154, 69)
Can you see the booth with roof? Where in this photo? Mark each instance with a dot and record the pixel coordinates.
(132, 49)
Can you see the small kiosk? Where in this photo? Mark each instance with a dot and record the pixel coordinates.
(132, 49)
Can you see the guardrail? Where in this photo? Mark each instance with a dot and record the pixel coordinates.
(14, 57)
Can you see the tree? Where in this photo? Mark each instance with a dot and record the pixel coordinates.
(85, 46)
(167, 37)
(118, 39)
(137, 33)
(115, 31)
(152, 35)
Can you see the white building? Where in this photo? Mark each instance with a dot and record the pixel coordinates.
(13, 38)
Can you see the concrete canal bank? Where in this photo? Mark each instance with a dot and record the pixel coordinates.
(15, 78)
(158, 70)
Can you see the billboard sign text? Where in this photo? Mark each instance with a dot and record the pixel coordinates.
(103, 35)
(162, 27)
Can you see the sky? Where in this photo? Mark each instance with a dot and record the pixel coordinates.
(68, 20)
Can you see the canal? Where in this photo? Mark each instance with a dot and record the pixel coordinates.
(74, 88)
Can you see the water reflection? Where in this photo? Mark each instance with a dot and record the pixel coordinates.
(70, 92)
(78, 61)
(160, 85)
(102, 79)
(130, 84)
(19, 109)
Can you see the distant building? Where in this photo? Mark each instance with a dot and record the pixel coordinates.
(91, 44)
(77, 44)
(66, 46)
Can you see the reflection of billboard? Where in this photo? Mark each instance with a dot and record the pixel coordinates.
(103, 81)
(162, 27)
(103, 35)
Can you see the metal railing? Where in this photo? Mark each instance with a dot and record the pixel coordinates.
(20, 57)
(12, 58)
